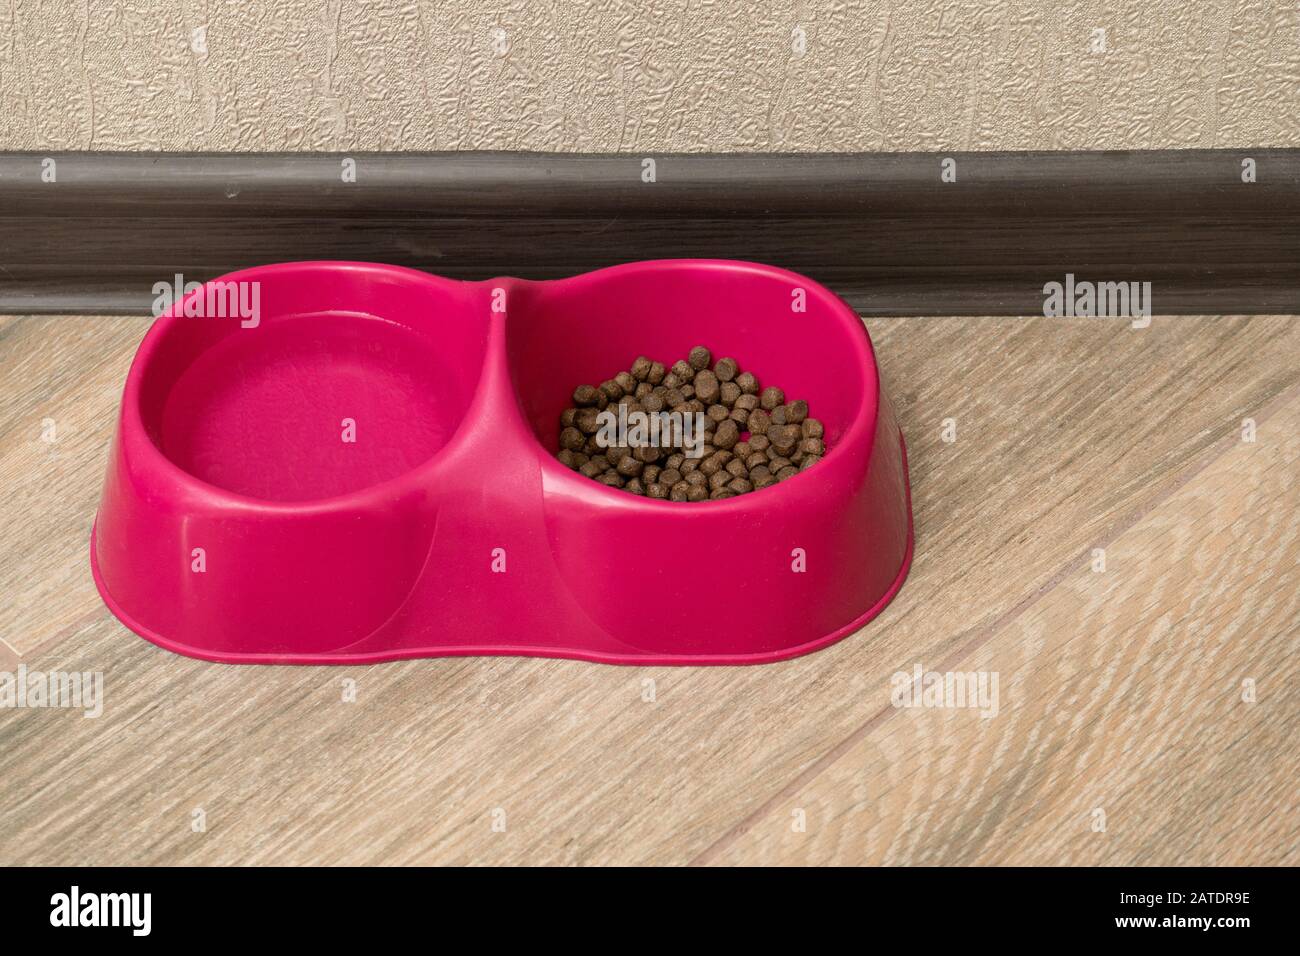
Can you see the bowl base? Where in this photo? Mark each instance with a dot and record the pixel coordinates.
(511, 650)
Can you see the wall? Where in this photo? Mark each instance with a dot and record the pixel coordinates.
(685, 75)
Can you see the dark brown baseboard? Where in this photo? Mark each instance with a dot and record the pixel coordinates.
(882, 229)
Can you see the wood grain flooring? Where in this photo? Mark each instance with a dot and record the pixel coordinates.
(1146, 714)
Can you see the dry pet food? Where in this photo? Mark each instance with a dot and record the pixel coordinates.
(696, 430)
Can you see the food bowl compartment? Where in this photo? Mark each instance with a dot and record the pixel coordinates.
(755, 577)
(271, 487)
(349, 378)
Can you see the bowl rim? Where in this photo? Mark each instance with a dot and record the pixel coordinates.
(142, 452)
(862, 427)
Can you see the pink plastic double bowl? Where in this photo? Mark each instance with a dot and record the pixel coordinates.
(355, 463)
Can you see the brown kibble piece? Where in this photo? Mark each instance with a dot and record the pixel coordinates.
(587, 421)
(635, 486)
(683, 370)
(568, 417)
(747, 402)
(650, 473)
(789, 471)
(740, 485)
(722, 493)
(641, 368)
(718, 480)
(706, 386)
(726, 369)
(771, 398)
(758, 442)
(796, 412)
(611, 478)
(728, 393)
(748, 383)
(656, 490)
(718, 413)
(697, 493)
(809, 461)
(736, 468)
(572, 439)
(656, 374)
(585, 395)
(654, 404)
(629, 467)
(669, 477)
(812, 446)
(740, 417)
(679, 491)
(756, 460)
(713, 464)
(699, 358)
(626, 382)
(696, 477)
(812, 428)
(759, 422)
(784, 438)
(779, 415)
(727, 435)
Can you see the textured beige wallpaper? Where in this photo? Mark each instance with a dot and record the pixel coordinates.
(679, 75)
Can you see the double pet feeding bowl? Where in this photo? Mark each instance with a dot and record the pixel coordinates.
(368, 473)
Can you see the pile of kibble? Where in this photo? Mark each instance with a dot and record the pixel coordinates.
(781, 439)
